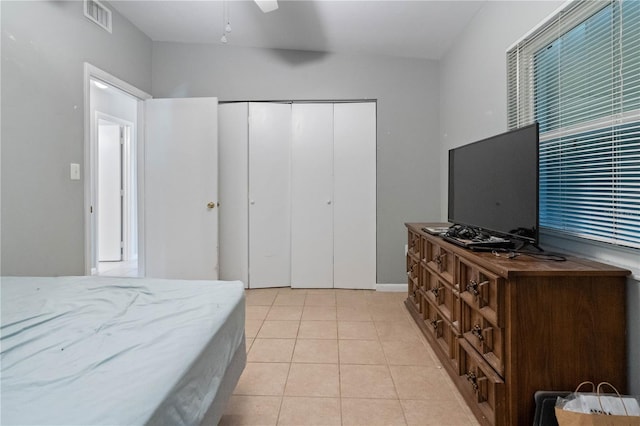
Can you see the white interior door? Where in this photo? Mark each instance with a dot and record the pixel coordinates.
(181, 158)
(269, 195)
(109, 192)
(354, 206)
(312, 196)
(233, 131)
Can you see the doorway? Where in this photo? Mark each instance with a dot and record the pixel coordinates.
(114, 230)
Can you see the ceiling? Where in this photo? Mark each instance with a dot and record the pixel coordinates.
(416, 29)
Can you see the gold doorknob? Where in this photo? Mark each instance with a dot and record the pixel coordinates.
(211, 205)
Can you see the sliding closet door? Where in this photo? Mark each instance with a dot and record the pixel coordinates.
(312, 196)
(269, 195)
(233, 131)
(354, 206)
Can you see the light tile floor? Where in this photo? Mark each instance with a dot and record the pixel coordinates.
(339, 357)
(126, 268)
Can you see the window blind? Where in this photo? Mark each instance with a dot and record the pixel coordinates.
(578, 75)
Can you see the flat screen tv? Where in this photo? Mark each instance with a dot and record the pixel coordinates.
(493, 185)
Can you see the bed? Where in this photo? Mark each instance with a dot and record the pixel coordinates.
(119, 351)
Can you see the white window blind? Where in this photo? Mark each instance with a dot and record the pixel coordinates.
(578, 75)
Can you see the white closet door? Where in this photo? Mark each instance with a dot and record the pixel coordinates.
(355, 195)
(269, 195)
(312, 196)
(233, 135)
(181, 179)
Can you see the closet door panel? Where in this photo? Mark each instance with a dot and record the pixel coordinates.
(269, 195)
(233, 148)
(312, 196)
(355, 195)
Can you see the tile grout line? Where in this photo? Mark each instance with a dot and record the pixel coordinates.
(339, 366)
(288, 369)
(395, 387)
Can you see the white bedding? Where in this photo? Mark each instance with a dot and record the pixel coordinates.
(116, 351)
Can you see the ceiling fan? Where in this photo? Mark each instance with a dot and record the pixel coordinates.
(267, 5)
(264, 5)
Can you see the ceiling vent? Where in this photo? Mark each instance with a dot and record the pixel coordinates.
(98, 13)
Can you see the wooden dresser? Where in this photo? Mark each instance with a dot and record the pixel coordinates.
(504, 328)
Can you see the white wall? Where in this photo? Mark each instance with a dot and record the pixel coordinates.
(473, 98)
(408, 167)
(44, 46)
(114, 103)
(473, 83)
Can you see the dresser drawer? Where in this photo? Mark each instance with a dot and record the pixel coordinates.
(442, 295)
(414, 295)
(481, 384)
(484, 336)
(430, 314)
(413, 244)
(482, 290)
(413, 268)
(439, 260)
(445, 334)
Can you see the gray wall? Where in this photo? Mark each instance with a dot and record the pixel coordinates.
(408, 169)
(44, 46)
(473, 106)
(45, 43)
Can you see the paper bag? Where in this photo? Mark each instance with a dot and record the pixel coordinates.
(570, 418)
(597, 408)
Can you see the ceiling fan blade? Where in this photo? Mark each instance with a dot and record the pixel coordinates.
(267, 5)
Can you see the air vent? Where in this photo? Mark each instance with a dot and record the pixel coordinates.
(98, 13)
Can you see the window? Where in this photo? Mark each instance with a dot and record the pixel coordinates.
(578, 75)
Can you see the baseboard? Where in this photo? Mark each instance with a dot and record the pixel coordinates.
(393, 287)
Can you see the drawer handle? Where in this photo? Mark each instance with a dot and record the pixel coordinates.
(439, 258)
(435, 323)
(474, 287)
(412, 270)
(473, 379)
(477, 331)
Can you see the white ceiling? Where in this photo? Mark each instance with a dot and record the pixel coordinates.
(418, 28)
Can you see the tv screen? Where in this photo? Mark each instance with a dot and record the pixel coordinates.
(493, 184)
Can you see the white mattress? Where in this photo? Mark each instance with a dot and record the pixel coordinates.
(116, 351)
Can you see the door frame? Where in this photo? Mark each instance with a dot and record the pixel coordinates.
(92, 72)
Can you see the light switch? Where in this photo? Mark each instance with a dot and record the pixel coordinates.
(75, 171)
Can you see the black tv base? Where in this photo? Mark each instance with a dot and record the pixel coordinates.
(523, 244)
(490, 243)
(472, 237)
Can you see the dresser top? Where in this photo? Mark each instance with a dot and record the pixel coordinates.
(525, 263)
